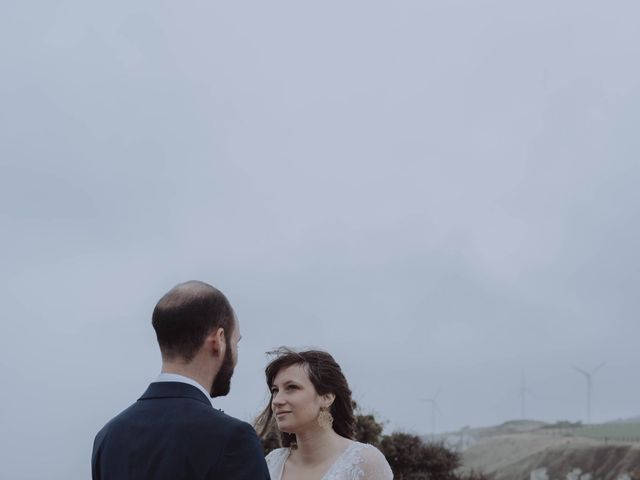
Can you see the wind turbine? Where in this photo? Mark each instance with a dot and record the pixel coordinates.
(434, 407)
(524, 391)
(589, 377)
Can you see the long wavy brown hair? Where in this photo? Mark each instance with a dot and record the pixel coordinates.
(326, 376)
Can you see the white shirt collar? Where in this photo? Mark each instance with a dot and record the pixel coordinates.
(174, 377)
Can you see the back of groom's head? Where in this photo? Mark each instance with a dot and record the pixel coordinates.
(186, 314)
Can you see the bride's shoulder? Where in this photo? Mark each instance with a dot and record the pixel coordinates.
(278, 452)
(368, 451)
(276, 456)
(372, 461)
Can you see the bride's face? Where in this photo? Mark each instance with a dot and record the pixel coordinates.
(294, 400)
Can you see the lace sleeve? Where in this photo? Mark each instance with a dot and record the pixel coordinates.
(374, 465)
(275, 459)
(271, 458)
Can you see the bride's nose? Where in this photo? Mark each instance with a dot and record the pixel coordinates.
(276, 400)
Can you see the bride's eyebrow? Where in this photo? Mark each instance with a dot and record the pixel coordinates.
(285, 383)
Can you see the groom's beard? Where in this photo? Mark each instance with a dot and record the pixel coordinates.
(222, 382)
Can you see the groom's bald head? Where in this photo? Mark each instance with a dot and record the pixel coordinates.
(186, 314)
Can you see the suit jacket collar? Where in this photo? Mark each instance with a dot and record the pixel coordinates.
(174, 390)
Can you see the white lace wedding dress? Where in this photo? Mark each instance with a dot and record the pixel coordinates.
(360, 461)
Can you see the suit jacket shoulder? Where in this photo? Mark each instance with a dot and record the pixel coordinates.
(173, 432)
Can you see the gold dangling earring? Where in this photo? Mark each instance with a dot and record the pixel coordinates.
(325, 419)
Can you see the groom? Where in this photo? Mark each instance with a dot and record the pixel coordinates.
(172, 432)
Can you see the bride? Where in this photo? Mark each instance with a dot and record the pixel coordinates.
(313, 411)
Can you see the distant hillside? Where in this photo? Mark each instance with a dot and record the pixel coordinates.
(627, 420)
(506, 428)
(526, 456)
(539, 451)
(466, 437)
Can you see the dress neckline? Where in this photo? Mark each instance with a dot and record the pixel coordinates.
(333, 465)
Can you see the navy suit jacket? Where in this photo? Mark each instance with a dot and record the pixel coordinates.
(173, 433)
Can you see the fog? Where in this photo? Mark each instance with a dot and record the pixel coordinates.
(441, 194)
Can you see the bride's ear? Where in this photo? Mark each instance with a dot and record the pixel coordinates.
(328, 399)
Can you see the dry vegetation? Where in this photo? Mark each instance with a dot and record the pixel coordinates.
(515, 456)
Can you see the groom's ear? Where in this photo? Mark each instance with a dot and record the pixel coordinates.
(217, 341)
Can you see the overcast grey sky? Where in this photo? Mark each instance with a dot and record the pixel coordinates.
(440, 193)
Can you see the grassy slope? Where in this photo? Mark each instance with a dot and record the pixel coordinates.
(514, 456)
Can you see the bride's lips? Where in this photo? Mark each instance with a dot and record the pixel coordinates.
(279, 414)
